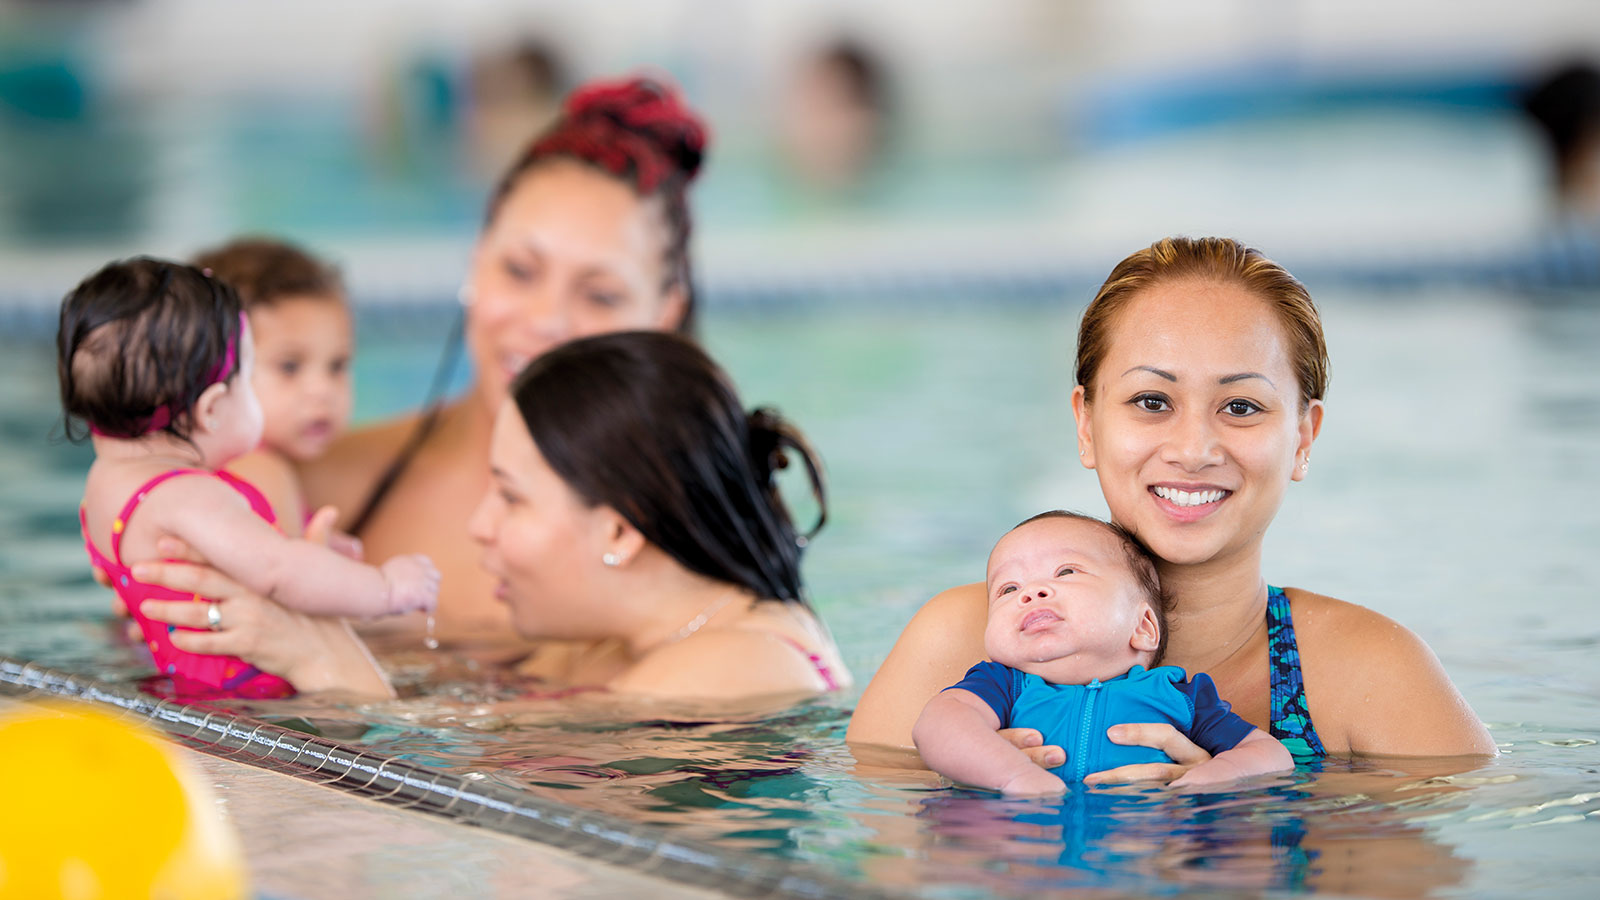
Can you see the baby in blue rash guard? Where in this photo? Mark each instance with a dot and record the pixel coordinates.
(1076, 616)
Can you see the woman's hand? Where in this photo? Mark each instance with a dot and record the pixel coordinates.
(252, 628)
(1031, 742)
(1161, 736)
(311, 653)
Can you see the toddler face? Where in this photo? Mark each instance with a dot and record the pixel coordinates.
(1064, 603)
(302, 373)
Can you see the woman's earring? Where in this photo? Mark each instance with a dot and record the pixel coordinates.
(1305, 463)
(611, 559)
(464, 294)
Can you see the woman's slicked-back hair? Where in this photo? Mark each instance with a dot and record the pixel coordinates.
(640, 132)
(139, 341)
(1208, 259)
(645, 423)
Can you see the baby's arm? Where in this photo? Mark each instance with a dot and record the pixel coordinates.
(956, 736)
(213, 519)
(1257, 754)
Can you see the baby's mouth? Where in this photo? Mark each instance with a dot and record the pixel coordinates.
(1039, 619)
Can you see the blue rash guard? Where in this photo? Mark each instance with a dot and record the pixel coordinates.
(1075, 716)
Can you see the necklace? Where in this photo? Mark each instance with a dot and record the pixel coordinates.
(695, 623)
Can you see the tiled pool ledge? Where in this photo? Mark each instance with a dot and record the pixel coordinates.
(460, 798)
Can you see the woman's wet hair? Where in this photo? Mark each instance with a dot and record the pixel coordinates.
(1141, 562)
(637, 131)
(1208, 259)
(139, 341)
(265, 271)
(647, 424)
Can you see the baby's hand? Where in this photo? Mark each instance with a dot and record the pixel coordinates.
(1034, 782)
(413, 583)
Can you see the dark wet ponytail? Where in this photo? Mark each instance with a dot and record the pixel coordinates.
(646, 423)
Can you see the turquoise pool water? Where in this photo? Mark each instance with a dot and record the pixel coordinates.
(1454, 490)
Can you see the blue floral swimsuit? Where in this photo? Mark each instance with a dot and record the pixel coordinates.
(1291, 716)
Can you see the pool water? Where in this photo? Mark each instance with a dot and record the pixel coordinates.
(1454, 489)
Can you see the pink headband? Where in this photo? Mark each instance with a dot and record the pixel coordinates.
(164, 415)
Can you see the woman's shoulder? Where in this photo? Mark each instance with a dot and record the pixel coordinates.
(1375, 686)
(725, 663)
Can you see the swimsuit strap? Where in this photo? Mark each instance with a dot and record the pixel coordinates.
(1291, 715)
(258, 504)
(120, 523)
(816, 661)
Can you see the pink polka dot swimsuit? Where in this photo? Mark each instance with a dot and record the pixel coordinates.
(193, 675)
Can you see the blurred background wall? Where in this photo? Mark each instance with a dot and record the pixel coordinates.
(890, 148)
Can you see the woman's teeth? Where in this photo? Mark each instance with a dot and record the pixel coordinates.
(1188, 498)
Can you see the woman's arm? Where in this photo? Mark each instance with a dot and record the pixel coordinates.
(957, 736)
(943, 640)
(313, 654)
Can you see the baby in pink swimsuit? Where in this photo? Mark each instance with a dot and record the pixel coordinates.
(155, 358)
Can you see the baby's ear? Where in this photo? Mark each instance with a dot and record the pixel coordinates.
(204, 415)
(1147, 633)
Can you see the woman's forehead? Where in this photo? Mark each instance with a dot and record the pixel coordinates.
(1199, 328)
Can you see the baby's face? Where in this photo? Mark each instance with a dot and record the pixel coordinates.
(1064, 603)
(302, 374)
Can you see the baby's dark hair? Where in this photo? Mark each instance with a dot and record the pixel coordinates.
(1140, 561)
(139, 342)
(265, 271)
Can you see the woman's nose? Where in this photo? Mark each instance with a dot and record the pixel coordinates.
(480, 527)
(1194, 442)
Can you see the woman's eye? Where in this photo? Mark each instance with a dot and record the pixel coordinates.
(517, 271)
(1066, 570)
(607, 299)
(1240, 408)
(1151, 403)
(289, 367)
(508, 498)
(339, 366)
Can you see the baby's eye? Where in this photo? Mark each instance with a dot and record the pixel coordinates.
(1066, 570)
(1239, 408)
(1007, 589)
(1152, 403)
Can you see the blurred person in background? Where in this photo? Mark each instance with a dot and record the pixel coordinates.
(512, 95)
(835, 116)
(1564, 106)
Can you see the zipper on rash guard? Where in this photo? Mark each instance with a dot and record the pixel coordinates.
(1089, 697)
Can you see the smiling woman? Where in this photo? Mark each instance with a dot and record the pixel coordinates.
(1201, 372)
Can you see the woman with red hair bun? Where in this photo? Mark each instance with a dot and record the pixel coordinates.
(586, 233)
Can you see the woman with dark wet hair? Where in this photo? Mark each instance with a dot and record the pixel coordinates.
(632, 512)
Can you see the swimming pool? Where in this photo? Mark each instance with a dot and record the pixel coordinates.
(1454, 491)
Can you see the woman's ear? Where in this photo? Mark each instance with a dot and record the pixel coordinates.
(1310, 427)
(674, 307)
(204, 415)
(1080, 414)
(1147, 634)
(620, 541)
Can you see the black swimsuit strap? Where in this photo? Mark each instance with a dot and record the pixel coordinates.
(419, 435)
(397, 467)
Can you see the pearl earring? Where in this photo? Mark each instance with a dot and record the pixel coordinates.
(464, 294)
(1305, 463)
(611, 559)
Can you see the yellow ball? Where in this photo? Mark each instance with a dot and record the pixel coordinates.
(96, 807)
